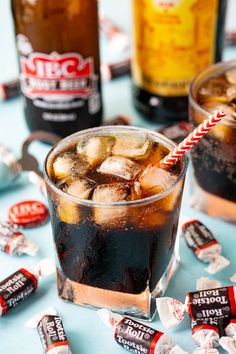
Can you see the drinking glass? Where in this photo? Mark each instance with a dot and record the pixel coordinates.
(213, 158)
(118, 256)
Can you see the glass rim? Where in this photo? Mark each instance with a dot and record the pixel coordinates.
(167, 142)
(221, 66)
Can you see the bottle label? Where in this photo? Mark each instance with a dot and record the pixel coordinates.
(60, 82)
(174, 40)
(55, 75)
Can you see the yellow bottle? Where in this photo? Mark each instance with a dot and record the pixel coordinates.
(173, 41)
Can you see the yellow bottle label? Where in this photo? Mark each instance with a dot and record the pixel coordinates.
(173, 41)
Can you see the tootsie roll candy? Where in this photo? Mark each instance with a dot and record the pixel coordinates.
(137, 337)
(51, 332)
(213, 303)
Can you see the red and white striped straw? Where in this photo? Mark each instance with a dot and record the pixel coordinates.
(192, 139)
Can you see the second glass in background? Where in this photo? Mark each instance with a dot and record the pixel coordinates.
(214, 157)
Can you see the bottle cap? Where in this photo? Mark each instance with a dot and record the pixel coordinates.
(27, 214)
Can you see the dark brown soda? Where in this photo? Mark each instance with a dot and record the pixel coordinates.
(127, 259)
(214, 158)
(214, 165)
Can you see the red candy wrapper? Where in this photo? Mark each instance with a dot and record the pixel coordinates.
(137, 337)
(115, 70)
(51, 332)
(14, 242)
(204, 245)
(213, 303)
(9, 89)
(21, 284)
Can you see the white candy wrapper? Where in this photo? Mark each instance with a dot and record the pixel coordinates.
(228, 344)
(51, 332)
(171, 311)
(135, 336)
(217, 264)
(33, 321)
(45, 267)
(230, 329)
(233, 278)
(204, 245)
(206, 351)
(19, 285)
(204, 283)
(176, 350)
(14, 242)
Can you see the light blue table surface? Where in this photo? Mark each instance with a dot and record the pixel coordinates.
(86, 333)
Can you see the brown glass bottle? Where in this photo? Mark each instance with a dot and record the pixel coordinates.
(173, 41)
(57, 42)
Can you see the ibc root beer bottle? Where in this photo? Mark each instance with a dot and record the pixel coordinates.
(173, 41)
(58, 48)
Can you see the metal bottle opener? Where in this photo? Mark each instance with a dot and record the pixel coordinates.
(11, 168)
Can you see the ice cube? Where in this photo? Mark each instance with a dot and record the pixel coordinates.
(155, 180)
(113, 216)
(81, 187)
(121, 167)
(217, 90)
(110, 193)
(213, 106)
(148, 216)
(68, 211)
(222, 131)
(136, 191)
(81, 167)
(63, 165)
(136, 145)
(157, 154)
(169, 202)
(96, 149)
(78, 186)
(231, 76)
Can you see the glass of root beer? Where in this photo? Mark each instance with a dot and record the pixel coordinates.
(114, 215)
(214, 157)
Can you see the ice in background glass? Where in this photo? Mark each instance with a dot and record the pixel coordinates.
(114, 250)
(214, 157)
